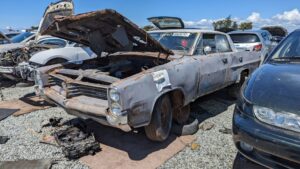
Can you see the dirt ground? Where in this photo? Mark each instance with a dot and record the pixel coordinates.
(211, 148)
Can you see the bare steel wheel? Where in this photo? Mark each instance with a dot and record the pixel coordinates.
(161, 121)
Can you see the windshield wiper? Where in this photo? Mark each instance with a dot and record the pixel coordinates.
(295, 58)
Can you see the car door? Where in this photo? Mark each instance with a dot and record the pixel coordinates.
(213, 64)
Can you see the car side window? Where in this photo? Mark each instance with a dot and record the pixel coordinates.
(265, 36)
(56, 42)
(208, 40)
(222, 44)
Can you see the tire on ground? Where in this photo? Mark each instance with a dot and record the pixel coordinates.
(161, 121)
(189, 128)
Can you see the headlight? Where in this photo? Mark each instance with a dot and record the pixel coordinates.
(280, 119)
(116, 109)
(114, 95)
(116, 116)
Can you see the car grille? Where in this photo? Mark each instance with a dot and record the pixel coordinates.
(74, 89)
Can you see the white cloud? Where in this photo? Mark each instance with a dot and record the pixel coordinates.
(254, 17)
(203, 23)
(289, 19)
(292, 16)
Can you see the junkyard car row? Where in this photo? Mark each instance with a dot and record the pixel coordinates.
(101, 66)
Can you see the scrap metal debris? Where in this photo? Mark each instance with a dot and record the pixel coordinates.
(53, 122)
(27, 164)
(206, 126)
(4, 113)
(77, 142)
(225, 130)
(4, 139)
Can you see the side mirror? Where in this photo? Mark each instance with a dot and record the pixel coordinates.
(207, 50)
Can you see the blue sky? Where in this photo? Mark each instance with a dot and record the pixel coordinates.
(196, 13)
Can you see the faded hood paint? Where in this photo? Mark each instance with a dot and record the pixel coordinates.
(275, 86)
(104, 31)
(4, 39)
(60, 8)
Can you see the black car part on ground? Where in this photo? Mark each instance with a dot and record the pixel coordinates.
(77, 141)
(54, 122)
(4, 113)
(27, 164)
(3, 139)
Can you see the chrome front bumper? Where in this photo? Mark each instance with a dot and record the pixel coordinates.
(83, 106)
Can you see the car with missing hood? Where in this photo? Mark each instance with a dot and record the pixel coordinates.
(266, 121)
(136, 81)
(278, 32)
(13, 54)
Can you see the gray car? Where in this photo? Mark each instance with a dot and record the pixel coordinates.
(145, 79)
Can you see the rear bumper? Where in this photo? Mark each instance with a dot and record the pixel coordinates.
(83, 106)
(272, 147)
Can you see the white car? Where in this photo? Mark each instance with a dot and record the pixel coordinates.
(253, 40)
(73, 52)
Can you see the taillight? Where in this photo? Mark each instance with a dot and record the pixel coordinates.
(257, 48)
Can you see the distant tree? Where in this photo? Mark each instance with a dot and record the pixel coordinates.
(246, 26)
(34, 27)
(225, 25)
(148, 27)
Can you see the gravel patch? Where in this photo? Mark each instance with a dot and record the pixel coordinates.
(214, 149)
(25, 134)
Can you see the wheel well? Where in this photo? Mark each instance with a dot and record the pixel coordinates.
(245, 73)
(56, 60)
(177, 98)
(243, 76)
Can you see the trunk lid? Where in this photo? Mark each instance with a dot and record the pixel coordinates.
(4, 39)
(166, 22)
(60, 8)
(246, 46)
(104, 31)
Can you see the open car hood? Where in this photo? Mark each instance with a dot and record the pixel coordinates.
(104, 31)
(4, 39)
(60, 8)
(276, 30)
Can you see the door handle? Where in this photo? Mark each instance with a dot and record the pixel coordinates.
(241, 59)
(225, 60)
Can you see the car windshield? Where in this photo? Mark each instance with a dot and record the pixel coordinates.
(244, 38)
(288, 49)
(177, 41)
(22, 36)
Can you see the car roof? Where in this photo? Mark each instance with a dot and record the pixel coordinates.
(187, 30)
(248, 32)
